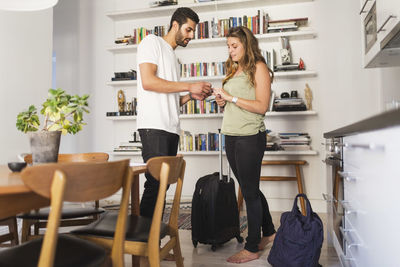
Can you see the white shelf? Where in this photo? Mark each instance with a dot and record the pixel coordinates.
(305, 32)
(122, 83)
(220, 115)
(290, 113)
(121, 118)
(203, 78)
(278, 75)
(198, 7)
(205, 116)
(216, 153)
(294, 73)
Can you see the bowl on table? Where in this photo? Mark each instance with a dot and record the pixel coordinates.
(16, 166)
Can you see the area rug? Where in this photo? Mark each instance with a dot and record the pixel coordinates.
(184, 221)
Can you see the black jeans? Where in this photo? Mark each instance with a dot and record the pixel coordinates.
(155, 143)
(245, 154)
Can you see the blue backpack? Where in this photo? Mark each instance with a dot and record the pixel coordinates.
(298, 240)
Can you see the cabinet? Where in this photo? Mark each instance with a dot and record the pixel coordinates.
(214, 50)
(381, 20)
(371, 196)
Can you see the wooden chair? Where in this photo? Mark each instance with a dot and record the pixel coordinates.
(76, 182)
(144, 234)
(70, 216)
(296, 164)
(12, 235)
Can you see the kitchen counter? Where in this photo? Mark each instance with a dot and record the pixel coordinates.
(380, 121)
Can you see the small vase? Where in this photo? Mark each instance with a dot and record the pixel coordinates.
(44, 146)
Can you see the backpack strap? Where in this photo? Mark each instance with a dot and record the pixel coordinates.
(308, 204)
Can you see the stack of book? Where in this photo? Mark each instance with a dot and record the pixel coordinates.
(130, 146)
(286, 24)
(289, 104)
(295, 141)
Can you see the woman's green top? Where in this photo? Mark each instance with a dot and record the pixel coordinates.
(237, 121)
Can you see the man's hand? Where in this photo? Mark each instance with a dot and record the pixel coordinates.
(198, 97)
(200, 88)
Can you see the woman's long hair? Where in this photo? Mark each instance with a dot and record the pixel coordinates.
(252, 55)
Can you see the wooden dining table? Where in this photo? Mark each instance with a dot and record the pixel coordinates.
(16, 197)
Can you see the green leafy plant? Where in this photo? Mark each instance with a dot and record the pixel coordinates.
(62, 112)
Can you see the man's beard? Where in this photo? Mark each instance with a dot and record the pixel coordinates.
(180, 40)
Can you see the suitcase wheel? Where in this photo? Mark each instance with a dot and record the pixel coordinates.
(214, 247)
(239, 239)
(194, 243)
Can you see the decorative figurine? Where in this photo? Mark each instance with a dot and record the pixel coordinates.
(285, 51)
(301, 65)
(128, 106)
(121, 101)
(308, 96)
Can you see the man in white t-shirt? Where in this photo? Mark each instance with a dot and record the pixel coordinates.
(158, 94)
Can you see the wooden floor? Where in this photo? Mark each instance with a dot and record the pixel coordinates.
(204, 256)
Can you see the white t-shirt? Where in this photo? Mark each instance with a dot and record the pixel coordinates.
(158, 110)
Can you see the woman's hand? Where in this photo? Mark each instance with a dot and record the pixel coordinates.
(221, 93)
(220, 101)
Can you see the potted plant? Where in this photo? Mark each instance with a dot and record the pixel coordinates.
(63, 114)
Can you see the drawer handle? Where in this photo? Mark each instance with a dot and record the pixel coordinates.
(346, 206)
(370, 146)
(347, 176)
(349, 236)
(346, 261)
(363, 7)
(381, 29)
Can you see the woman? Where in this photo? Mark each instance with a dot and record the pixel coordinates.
(245, 98)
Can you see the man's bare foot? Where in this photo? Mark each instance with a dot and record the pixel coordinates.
(265, 240)
(243, 256)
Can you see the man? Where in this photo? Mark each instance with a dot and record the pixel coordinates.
(159, 99)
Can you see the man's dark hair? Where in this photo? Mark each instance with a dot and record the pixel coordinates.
(182, 14)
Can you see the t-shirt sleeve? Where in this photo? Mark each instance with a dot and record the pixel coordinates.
(147, 51)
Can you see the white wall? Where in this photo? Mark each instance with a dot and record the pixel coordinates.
(343, 91)
(25, 72)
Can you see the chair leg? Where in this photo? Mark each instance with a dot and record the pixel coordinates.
(240, 199)
(178, 252)
(13, 228)
(135, 261)
(26, 230)
(300, 187)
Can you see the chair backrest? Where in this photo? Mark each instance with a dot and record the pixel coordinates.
(79, 182)
(167, 170)
(76, 157)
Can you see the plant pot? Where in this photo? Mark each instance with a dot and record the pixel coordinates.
(44, 146)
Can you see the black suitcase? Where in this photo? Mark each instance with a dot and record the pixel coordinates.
(215, 215)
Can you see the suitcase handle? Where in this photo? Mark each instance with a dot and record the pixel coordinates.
(221, 167)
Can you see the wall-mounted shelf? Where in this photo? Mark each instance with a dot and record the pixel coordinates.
(167, 11)
(220, 115)
(277, 75)
(216, 153)
(303, 33)
(122, 83)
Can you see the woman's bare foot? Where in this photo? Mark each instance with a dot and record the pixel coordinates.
(243, 256)
(265, 240)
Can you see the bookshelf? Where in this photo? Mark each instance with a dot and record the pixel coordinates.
(211, 122)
